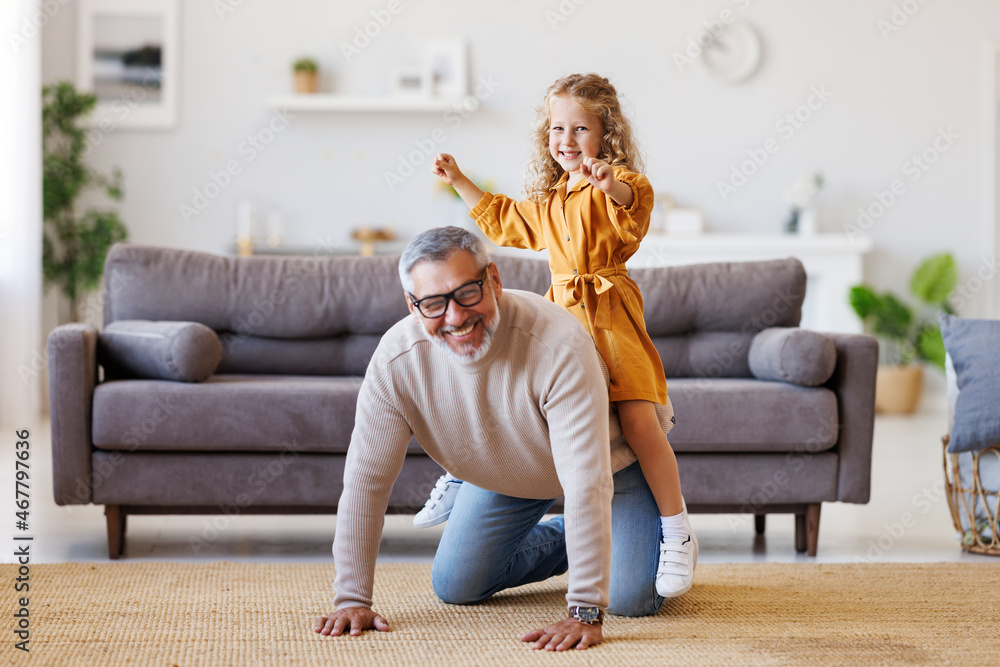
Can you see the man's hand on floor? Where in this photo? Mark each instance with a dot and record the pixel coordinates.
(354, 618)
(560, 636)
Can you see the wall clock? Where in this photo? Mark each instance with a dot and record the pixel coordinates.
(735, 54)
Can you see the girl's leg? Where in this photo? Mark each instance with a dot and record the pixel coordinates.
(656, 458)
(678, 546)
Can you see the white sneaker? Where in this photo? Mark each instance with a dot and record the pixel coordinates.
(678, 558)
(437, 509)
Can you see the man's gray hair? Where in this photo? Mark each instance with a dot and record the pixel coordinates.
(437, 245)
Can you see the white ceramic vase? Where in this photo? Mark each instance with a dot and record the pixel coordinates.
(808, 225)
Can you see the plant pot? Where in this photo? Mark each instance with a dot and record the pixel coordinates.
(898, 388)
(306, 82)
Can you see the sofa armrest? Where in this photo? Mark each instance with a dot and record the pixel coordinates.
(72, 351)
(853, 381)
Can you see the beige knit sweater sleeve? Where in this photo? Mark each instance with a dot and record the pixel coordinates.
(577, 414)
(374, 459)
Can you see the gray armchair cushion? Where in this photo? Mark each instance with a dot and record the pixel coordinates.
(792, 355)
(974, 346)
(186, 351)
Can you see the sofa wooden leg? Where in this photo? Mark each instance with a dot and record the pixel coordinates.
(812, 528)
(759, 522)
(800, 533)
(116, 518)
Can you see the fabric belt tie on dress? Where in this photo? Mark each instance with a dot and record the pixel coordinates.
(575, 284)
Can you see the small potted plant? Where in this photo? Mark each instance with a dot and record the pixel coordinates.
(306, 75)
(906, 337)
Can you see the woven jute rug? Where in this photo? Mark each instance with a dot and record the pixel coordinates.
(229, 613)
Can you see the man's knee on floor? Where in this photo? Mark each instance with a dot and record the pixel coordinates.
(644, 605)
(454, 588)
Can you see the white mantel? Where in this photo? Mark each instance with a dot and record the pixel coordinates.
(833, 264)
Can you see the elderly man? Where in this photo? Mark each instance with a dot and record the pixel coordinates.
(507, 392)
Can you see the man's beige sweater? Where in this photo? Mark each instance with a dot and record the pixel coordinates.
(530, 419)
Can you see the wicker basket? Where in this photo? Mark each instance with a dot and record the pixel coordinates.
(971, 485)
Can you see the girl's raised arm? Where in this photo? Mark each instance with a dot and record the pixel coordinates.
(518, 224)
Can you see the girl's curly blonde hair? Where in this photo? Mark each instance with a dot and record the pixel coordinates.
(596, 95)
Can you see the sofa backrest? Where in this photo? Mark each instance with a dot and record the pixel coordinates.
(325, 315)
(298, 315)
(702, 317)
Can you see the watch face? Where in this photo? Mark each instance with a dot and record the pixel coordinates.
(587, 614)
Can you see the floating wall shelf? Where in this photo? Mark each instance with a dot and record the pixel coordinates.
(398, 104)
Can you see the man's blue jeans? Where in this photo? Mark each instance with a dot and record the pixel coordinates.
(493, 542)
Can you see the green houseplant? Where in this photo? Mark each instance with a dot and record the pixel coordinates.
(905, 335)
(75, 240)
(306, 75)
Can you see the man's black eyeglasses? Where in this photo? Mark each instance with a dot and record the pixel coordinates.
(436, 305)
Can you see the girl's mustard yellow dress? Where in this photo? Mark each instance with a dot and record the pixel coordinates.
(589, 238)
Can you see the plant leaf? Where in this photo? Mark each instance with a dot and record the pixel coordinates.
(892, 317)
(934, 279)
(930, 345)
(864, 301)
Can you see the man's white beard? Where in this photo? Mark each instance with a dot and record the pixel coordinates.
(470, 354)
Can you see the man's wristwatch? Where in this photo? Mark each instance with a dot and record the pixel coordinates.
(588, 615)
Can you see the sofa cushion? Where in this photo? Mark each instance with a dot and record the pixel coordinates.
(790, 354)
(272, 297)
(186, 351)
(974, 348)
(227, 413)
(742, 415)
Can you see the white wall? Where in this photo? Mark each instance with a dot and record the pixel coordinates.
(325, 174)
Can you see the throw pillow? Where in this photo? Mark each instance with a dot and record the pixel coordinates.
(790, 354)
(974, 348)
(187, 351)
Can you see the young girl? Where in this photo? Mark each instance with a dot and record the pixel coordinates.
(590, 207)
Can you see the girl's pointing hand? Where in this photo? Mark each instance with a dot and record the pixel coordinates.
(446, 167)
(598, 173)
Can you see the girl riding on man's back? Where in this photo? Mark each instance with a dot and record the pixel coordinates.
(589, 206)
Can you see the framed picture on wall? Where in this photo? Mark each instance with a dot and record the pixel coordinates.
(446, 69)
(127, 55)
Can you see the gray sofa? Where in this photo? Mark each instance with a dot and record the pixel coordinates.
(268, 431)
